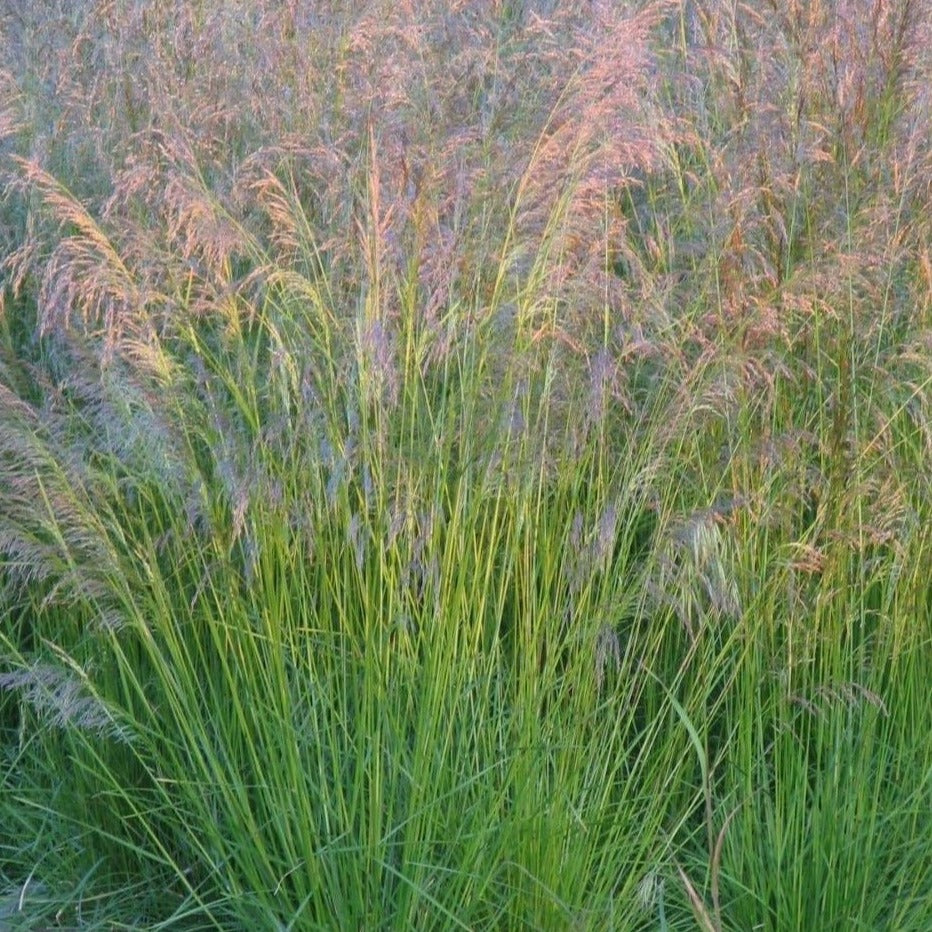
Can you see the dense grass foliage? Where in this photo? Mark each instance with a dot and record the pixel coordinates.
(466, 465)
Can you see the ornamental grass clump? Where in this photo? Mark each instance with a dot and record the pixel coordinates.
(465, 466)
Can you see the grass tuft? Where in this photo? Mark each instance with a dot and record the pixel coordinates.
(465, 466)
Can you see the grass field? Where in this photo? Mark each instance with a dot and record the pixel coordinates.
(466, 465)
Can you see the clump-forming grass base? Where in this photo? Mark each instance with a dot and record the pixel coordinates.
(479, 482)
